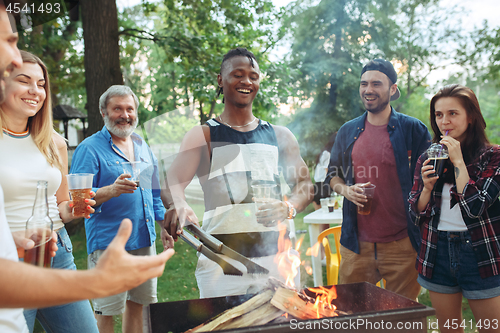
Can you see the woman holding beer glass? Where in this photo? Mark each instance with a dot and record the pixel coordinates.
(459, 215)
(31, 151)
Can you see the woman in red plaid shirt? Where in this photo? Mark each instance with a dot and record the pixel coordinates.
(459, 215)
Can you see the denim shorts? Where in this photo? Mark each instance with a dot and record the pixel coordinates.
(456, 269)
(143, 294)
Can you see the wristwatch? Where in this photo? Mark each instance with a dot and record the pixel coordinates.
(292, 212)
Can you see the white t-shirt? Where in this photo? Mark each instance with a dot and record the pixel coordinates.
(21, 167)
(11, 320)
(450, 219)
(322, 167)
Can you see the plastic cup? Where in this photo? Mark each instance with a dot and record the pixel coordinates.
(324, 204)
(438, 154)
(263, 194)
(331, 204)
(369, 191)
(133, 169)
(80, 185)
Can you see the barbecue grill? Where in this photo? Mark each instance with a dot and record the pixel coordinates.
(370, 308)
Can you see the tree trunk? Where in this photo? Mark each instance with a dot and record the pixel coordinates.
(102, 54)
(212, 108)
(203, 117)
(174, 94)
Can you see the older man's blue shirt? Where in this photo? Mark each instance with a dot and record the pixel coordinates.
(99, 156)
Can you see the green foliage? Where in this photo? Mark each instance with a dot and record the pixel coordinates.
(425, 40)
(417, 104)
(486, 91)
(180, 45)
(170, 54)
(333, 39)
(482, 74)
(169, 127)
(57, 43)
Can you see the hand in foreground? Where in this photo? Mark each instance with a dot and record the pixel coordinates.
(355, 194)
(120, 271)
(272, 213)
(23, 243)
(88, 210)
(175, 220)
(427, 172)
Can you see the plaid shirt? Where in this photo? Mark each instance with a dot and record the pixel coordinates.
(480, 208)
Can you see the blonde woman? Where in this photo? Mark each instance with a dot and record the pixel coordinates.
(32, 151)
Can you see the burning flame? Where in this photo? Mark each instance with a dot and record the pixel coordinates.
(308, 268)
(324, 299)
(299, 243)
(314, 250)
(287, 261)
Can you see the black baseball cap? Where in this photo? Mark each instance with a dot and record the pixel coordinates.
(385, 67)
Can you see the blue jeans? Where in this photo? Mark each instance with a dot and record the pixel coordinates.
(73, 317)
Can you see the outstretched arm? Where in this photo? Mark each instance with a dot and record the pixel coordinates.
(24, 285)
(182, 171)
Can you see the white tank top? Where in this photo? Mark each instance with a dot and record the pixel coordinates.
(22, 165)
(451, 219)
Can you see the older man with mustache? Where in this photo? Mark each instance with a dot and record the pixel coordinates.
(117, 196)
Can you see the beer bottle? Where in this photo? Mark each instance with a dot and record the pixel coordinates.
(39, 229)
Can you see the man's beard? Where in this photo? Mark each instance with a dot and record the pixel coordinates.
(382, 104)
(379, 108)
(121, 133)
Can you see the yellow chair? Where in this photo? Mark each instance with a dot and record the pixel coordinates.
(333, 259)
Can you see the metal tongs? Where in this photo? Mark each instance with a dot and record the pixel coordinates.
(212, 248)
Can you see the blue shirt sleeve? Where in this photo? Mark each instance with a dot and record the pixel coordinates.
(158, 207)
(335, 166)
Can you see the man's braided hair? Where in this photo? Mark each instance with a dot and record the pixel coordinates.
(239, 51)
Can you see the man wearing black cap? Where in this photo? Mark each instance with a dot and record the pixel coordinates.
(380, 148)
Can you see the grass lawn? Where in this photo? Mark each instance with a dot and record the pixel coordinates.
(178, 281)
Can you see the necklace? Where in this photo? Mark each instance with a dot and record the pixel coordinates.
(254, 119)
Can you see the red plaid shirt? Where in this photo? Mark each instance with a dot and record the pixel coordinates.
(480, 207)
